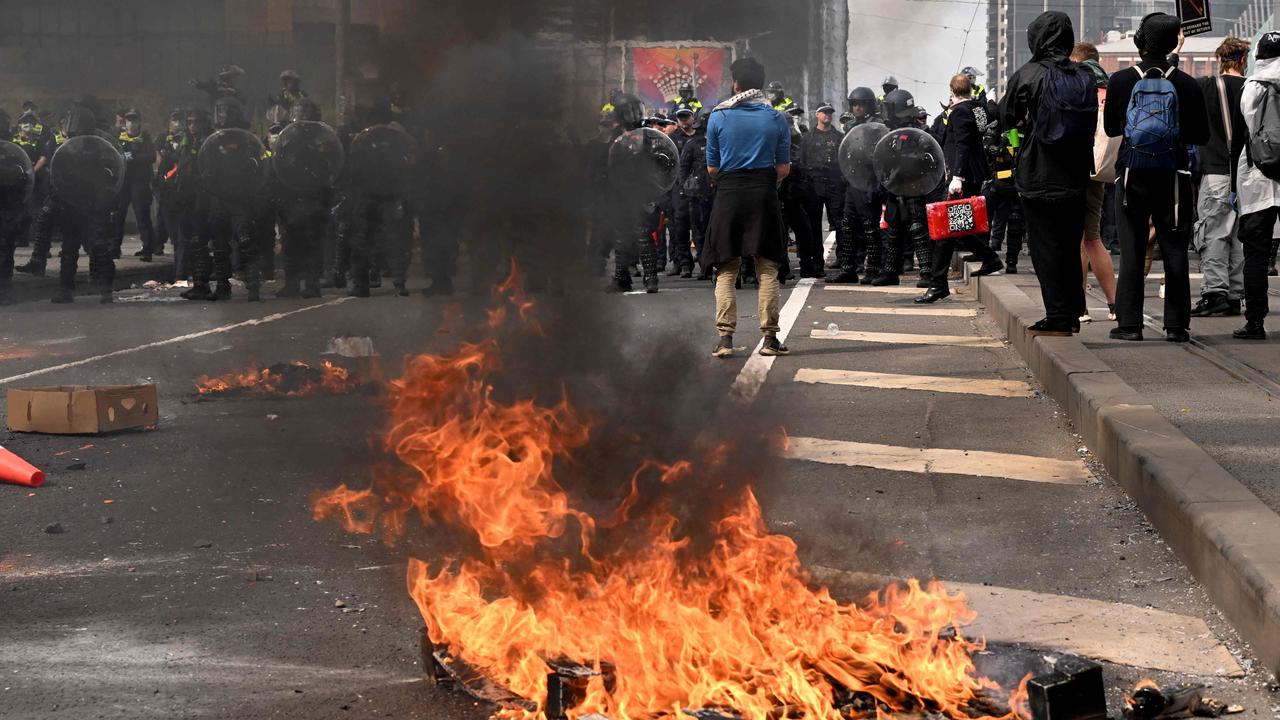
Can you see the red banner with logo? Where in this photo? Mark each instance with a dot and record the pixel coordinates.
(659, 73)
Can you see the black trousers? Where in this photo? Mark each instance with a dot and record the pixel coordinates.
(171, 211)
(88, 233)
(679, 230)
(303, 229)
(14, 222)
(796, 214)
(861, 244)
(1144, 199)
(826, 195)
(1255, 233)
(377, 238)
(1007, 225)
(699, 215)
(1054, 229)
(136, 194)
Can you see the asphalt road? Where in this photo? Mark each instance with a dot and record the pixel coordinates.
(191, 581)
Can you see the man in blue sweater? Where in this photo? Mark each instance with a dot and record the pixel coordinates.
(748, 154)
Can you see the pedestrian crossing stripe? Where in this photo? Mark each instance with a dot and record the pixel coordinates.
(939, 461)
(905, 311)
(1141, 637)
(887, 290)
(907, 338)
(926, 383)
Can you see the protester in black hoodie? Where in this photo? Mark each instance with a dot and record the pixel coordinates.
(1153, 196)
(1051, 178)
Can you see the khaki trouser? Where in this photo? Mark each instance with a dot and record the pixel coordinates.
(727, 296)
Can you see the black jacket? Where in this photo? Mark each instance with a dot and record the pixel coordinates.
(820, 155)
(1045, 172)
(1193, 121)
(962, 142)
(1215, 157)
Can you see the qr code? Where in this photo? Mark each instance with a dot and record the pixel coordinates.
(960, 218)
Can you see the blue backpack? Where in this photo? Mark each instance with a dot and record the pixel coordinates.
(1068, 109)
(1151, 130)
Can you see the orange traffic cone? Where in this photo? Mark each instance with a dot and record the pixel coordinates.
(16, 471)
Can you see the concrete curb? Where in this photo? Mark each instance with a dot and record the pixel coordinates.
(1227, 536)
(27, 288)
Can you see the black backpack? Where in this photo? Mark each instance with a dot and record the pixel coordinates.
(1264, 143)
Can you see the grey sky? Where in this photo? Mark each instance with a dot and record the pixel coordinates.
(901, 37)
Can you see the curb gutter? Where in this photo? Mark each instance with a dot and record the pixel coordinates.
(1227, 536)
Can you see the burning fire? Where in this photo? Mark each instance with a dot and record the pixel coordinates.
(735, 626)
(292, 379)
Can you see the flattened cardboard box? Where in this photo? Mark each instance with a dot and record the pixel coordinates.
(80, 410)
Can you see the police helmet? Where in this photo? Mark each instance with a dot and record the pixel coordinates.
(177, 114)
(685, 111)
(862, 95)
(900, 106)
(28, 116)
(775, 86)
(686, 90)
(133, 114)
(290, 75)
(970, 72)
(230, 72)
(628, 110)
(890, 84)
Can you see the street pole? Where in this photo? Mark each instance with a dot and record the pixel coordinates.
(341, 26)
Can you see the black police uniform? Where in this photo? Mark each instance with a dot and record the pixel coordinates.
(820, 158)
(680, 230)
(699, 191)
(139, 155)
(169, 213)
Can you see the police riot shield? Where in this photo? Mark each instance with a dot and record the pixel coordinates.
(643, 165)
(87, 173)
(909, 163)
(857, 155)
(308, 156)
(380, 160)
(16, 175)
(231, 164)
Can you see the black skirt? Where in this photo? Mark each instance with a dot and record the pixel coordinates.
(746, 219)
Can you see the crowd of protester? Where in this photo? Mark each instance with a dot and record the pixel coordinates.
(1074, 164)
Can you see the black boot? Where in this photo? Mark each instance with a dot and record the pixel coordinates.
(291, 289)
(1211, 305)
(359, 290)
(199, 291)
(933, 296)
(846, 277)
(255, 292)
(32, 267)
(222, 292)
(886, 280)
(1275, 249)
(1253, 330)
(62, 296)
(311, 289)
(990, 267)
(401, 290)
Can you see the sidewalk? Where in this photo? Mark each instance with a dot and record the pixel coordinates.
(130, 271)
(1190, 432)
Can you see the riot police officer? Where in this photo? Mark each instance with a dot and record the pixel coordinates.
(167, 225)
(820, 159)
(905, 218)
(778, 97)
(139, 157)
(16, 181)
(860, 248)
(291, 92)
(635, 228)
(686, 99)
(223, 86)
(33, 139)
(81, 204)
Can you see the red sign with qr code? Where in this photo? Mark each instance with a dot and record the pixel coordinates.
(958, 218)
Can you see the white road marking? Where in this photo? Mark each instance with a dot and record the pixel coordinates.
(1130, 635)
(939, 461)
(756, 370)
(906, 338)
(888, 290)
(928, 383)
(908, 311)
(275, 317)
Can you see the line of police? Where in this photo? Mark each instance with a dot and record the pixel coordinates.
(340, 197)
(877, 232)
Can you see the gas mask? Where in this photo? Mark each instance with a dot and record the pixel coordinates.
(133, 127)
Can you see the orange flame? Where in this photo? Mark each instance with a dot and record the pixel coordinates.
(736, 626)
(293, 379)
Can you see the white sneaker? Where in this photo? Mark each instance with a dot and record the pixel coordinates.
(1085, 319)
(1161, 291)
